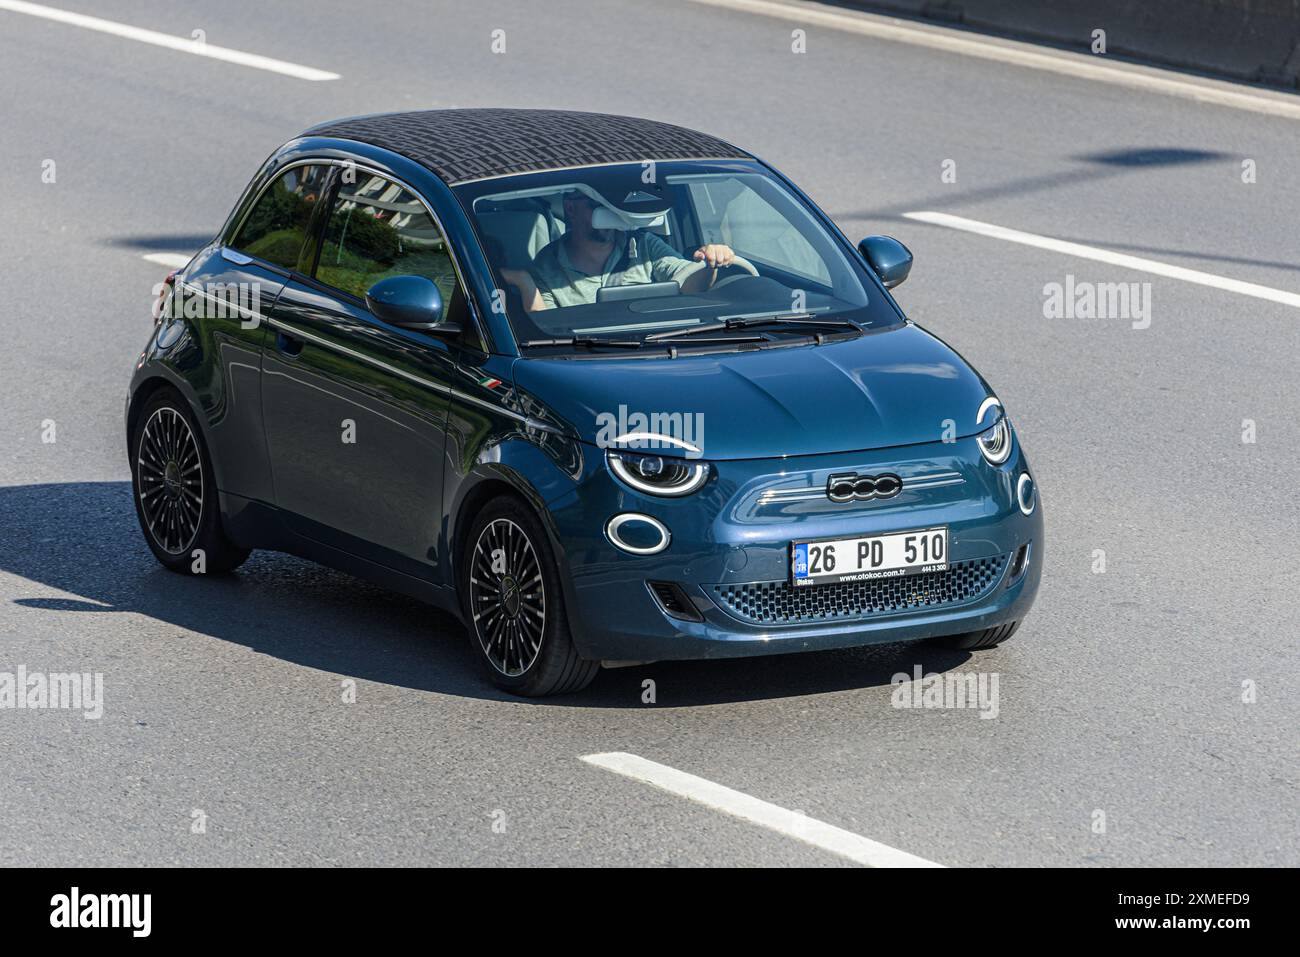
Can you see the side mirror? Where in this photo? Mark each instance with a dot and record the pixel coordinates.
(888, 258)
(410, 302)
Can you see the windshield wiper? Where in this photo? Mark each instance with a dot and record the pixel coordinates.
(590, 342)
(805, 319)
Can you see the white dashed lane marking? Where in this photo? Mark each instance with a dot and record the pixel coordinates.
(793, 824)
(181, 44)
(170, 260)
(1155, 267)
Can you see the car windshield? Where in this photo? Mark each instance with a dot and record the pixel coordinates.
(684, 253)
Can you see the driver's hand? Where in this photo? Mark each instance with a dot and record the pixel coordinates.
(716, 255)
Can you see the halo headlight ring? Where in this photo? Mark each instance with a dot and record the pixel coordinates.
(657, 475)
(995, 443)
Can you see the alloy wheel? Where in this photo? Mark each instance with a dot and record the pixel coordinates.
(507, 597)
(169, 472)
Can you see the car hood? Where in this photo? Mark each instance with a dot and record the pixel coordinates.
(880, 390)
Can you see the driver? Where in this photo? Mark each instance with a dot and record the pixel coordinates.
(569, 270)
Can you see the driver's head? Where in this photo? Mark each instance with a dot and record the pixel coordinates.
(578, 208)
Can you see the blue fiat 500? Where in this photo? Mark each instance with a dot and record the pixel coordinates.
(607, 389)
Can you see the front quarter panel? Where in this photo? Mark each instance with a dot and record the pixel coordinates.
(500, 441)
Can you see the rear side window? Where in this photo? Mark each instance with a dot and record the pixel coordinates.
(378, 229)
(277, 228)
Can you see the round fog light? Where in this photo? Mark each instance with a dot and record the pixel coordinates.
(1025, 493)
(637, 534)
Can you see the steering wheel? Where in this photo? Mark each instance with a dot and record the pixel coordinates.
(746, 271)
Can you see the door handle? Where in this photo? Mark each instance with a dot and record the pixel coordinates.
(288, 345)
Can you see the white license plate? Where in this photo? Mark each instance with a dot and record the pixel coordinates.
(863, 559)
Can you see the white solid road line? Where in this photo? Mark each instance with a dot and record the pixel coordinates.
(779, 819)
(1106, 256)
(170, 260)
(183, 44)
(1080, 65)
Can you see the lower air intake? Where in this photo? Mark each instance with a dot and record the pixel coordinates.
(779, 603)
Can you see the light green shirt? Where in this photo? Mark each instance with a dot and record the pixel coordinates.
(648, 259)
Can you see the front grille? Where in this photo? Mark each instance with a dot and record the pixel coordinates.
(773, 603)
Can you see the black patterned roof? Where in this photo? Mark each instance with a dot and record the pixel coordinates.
(461, 145)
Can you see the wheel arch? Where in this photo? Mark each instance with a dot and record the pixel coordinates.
(140, 397)
(485, 486)
(152, 380)
(151, 384)
(480, 487)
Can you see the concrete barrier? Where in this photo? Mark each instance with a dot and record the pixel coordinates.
(1255, 40)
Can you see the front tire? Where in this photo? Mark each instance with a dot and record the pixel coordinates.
(175, 491)
(514, 609)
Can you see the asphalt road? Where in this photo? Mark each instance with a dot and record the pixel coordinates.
(1123, 692)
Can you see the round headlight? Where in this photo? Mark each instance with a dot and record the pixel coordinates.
(995, 443)
(657, 474)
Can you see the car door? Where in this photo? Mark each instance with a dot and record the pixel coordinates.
(355, 409)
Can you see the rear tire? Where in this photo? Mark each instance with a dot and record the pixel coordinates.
(514, 608)
(988, 638)
(175, 491)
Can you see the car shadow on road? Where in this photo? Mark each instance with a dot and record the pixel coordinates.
(82, 539)
(955, 203)
(163, 242)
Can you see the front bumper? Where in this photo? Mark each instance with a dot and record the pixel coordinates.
(730, 554)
